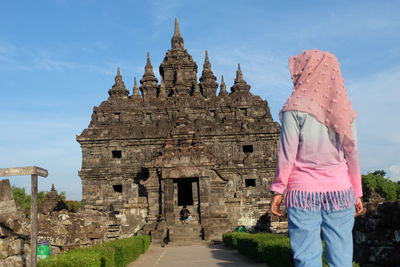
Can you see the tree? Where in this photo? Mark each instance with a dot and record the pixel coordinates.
(383, 186)
(21, 198)
(379, 173)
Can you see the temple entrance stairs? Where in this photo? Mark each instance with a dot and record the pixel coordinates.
(186, 234)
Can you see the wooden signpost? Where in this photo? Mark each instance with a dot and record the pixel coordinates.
(34, 172)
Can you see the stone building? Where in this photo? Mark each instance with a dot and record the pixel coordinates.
(174, 142)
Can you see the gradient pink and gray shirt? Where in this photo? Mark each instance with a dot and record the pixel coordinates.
(311, 161)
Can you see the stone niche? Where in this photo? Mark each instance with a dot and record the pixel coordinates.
(178, 141)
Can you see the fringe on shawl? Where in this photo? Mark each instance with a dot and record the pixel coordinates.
(316, 201)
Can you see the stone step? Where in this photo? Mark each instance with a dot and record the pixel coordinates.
(186, 234)
(114, 228)
(112, 236)
(187, 239)
(192, 235)
(188, 243)
(179, 233)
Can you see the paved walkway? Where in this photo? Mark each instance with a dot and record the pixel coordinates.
(193, 256)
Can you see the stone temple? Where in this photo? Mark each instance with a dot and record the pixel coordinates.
(174, 142)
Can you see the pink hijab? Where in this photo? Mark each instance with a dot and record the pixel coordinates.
(319, 90)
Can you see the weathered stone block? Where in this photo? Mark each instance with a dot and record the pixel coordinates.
(7, 203)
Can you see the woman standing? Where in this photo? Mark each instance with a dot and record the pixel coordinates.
(318, 169)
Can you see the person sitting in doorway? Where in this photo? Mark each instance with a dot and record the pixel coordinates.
(185, 215)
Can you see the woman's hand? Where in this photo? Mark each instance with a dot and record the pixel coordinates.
(359, 206)
(276, 204)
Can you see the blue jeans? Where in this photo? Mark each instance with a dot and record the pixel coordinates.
(306, 227)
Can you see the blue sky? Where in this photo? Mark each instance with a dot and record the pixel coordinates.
(58, 59)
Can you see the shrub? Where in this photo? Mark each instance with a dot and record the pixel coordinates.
(107, 254)
(230, 239)
(116, 253)
(273, 249)
(73, 205)
(146, 239)
(126, 250)
(276, 252)
(250, 248)
(73, 259)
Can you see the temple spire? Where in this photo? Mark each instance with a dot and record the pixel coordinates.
(118, 78)
(206, 65)
(206, 58)
(208, 82)
(177, 40)
(118, 89)
(135, 88)
(148, 70)
(239, 74)
(176, 28)
(149, 81)
(222, 87)
(240, 84)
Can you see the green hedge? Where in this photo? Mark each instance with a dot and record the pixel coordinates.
(116, 253)
(75, 259)
(230, 239)
(146, 239)
(126, 250)
(273, 249)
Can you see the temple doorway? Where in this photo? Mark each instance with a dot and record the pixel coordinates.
(186, 193)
